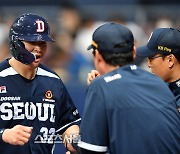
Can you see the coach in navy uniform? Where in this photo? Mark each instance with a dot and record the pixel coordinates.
(35, 107)
(127, 110)
(163, 52)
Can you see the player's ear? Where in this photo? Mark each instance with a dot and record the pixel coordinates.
(98, 56)
(134, 51)
(171, 60)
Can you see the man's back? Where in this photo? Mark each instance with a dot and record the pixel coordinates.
(131, 111)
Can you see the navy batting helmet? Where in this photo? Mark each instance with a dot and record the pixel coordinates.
(27, 27)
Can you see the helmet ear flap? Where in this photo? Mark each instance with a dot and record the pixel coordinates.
(20, 53)
(13, 49)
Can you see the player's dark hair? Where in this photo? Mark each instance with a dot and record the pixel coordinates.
(118, 59)
(177, 55)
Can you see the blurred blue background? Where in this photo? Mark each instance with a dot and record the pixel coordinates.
(72, 24)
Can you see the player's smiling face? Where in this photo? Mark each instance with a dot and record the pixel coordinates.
(38, 49)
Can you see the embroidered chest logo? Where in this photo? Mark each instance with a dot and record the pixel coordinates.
(49, 94)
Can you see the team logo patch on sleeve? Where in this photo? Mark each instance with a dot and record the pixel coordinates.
(3, 89)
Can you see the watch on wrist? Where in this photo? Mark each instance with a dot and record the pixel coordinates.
(1, 132)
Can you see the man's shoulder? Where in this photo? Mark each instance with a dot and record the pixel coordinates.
(133, 72)
(46, 68)
(122, 73)
(127, 74)
(45, 71)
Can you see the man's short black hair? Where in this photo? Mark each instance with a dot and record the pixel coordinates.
(118, 59)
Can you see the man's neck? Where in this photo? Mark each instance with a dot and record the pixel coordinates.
(24, 70)
(109, 68)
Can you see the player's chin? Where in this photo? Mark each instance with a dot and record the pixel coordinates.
(37, 61)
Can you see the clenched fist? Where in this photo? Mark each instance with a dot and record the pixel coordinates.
(93, 74)
(18, 135)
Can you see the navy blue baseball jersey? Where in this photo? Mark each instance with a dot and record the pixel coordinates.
(42, 103)
(130, 111)
(175, 88)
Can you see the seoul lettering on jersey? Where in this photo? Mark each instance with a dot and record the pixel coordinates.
(27, 110)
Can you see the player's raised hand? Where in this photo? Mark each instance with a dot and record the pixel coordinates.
(18, 135)
(93, 74)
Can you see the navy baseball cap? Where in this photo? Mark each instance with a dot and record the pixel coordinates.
(112, 38)
(163, 41)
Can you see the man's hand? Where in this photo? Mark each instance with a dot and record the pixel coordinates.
(68, 137)
(93, 74)
(18, 135)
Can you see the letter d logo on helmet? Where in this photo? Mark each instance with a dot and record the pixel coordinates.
(40, 25)
(31, 28)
